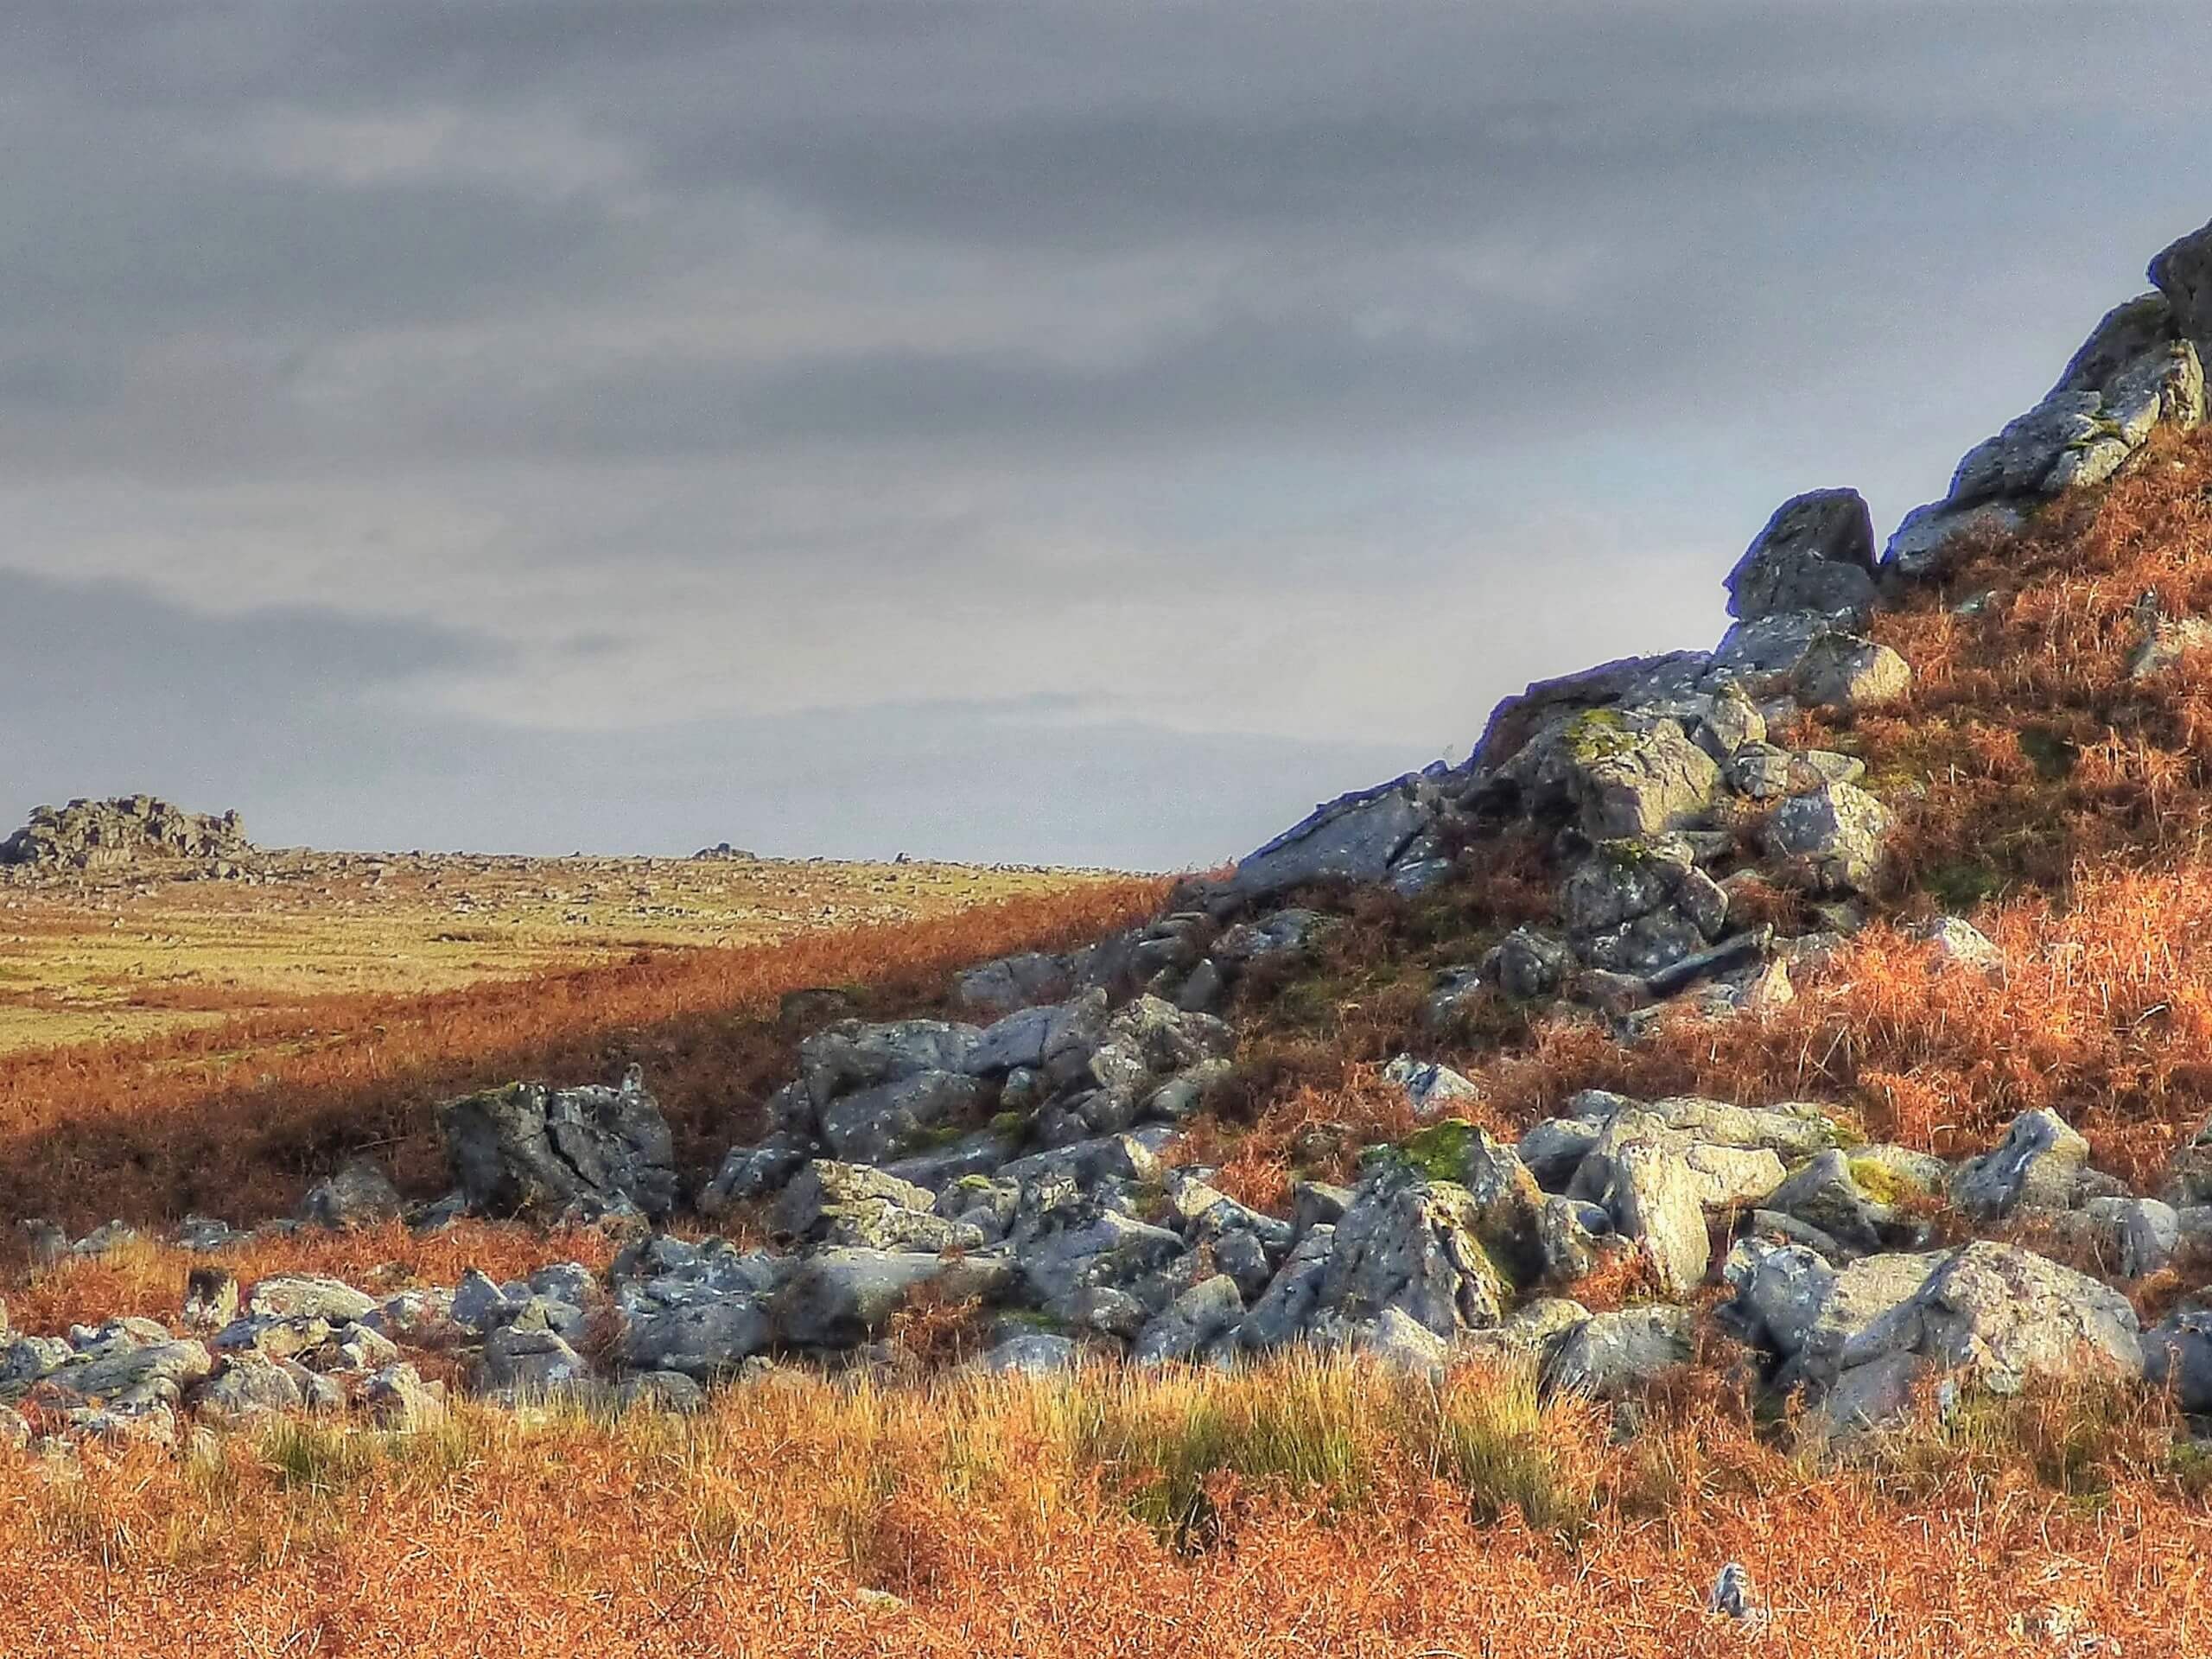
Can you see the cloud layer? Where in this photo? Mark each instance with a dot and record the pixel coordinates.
(843, 426)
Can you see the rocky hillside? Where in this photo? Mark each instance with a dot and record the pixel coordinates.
(1655, 1030)
(128, 830)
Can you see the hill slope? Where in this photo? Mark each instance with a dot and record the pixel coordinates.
(1748, 1111)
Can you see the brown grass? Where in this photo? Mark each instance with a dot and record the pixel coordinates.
(1308, 1508)
(235, 1120)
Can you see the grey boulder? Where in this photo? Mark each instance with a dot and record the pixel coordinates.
(1815, 554)
(531, 1150)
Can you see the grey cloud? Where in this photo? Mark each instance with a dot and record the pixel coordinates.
(290, 717)
(776, 345)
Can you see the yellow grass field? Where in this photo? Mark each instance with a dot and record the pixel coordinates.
(134, 954)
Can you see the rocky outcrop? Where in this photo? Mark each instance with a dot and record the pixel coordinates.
(1859, 1340)
(2141, 369)
(131, 828)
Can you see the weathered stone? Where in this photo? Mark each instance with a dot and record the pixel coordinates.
(852, 1055)
(2135, 1236)
(528, 1149)
(1568, 1247)
(747, 1173)
(1192, 1322)
(2182, 273)
(1614, 1356)
(856, 1204)
(309, 1296)
(1357, 838)
(249, 1388)
(1742, 953)
(530, 1363)
(1529, 964)
(878, 1122)
(2177, 1354)
(211, 1298)
(1960, 942)
(358, 1195)
(1653, 1196)
(89, 835)
(1056, 1039)
(1504, 1196)
(1285, 933)
(1815, 554)
(707, 1337)
(1414, 1245)
(1152, 1038)
(1829, 839)
(1733, 720)
(1929, 538)
(2037, 1164)
(996, 989)
(1553, 1149)
(129, 1364)
(1038, 1353)
(398, 1398)
(1842, 671)
(1205, 990)
(1429, 1087)
(1633, 778)
(1825, 1194)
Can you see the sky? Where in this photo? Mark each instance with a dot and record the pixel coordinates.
(1044, 432)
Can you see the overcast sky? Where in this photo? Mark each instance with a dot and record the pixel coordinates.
(1043, 431)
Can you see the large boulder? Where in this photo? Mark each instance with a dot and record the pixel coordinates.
(1613, 1356)
(1988, 1315)
(1826, 1193)
(708, 1337)
(309, 1296)
(2182, 273)
(880, 1122)
(1815, 554)
(857, 1204)
(1844, 672)
(528, 1149)
(1414, 1245)
(1506, 1204)
(2139, 370)
(1054, 1038)
(1357, 838)
(1632, 776)
(994, 989)
(1656, 1200)
(1193, 1322)
(359, 1195)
